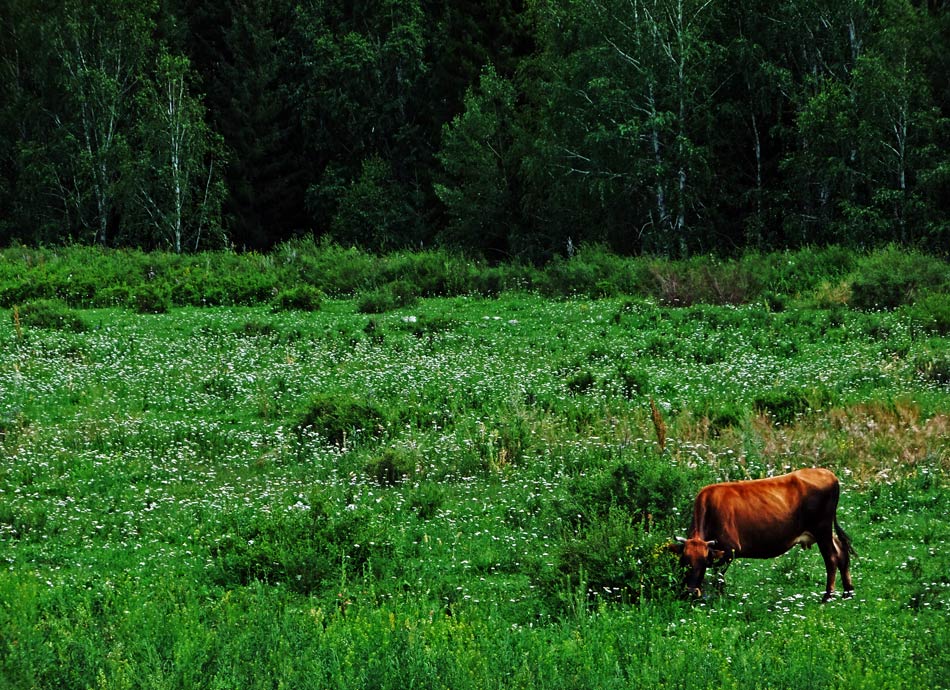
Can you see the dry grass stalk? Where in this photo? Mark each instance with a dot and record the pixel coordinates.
(16, 323)
(659, 425)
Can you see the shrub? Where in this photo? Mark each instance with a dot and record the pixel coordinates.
(431, 273)
(426, 500)
(50, 314)
(338, 416)
(392, 465)
(893, 277)
(580, 382)
(301, 298)
(391, 296)
(704, 281)
(593, 271)
(328, 266)
(932, 313)
(645, 488)
(785, 406)
(934, 365)
(424, 325)
(723, 415)
(634, 383)
(614, 559)
(151, 298)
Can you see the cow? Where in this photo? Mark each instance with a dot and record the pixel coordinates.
(764, 518)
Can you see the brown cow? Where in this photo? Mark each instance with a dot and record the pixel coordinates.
(764, 518)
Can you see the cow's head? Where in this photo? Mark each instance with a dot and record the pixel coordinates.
(696, 555)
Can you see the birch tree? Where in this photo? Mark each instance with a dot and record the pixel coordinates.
(101, 48)
(177, 179)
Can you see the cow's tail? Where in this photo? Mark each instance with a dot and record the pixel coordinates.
(844, 539)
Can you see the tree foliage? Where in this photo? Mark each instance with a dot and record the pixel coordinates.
(509, 128)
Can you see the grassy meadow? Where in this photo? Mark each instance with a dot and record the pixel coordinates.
(465, 491)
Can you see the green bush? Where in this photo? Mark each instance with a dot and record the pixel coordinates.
(646, 489)
(50, 314)
(613, 559)
(593, 271)
(784, 406)
(722, 415)
(634, 383)
(932, 313)
(431, 273)
(391, 296)
(392, 465)
(337, 417)
(933, 364)
(151, 298)
(581, 382)
(893, 277)
(426, 500)
(300, 298)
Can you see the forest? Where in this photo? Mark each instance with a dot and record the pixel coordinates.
(507, 129)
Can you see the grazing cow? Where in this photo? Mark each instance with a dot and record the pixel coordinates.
(764, 518)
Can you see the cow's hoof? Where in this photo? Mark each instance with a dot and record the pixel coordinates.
(828, 597)
(849, 594)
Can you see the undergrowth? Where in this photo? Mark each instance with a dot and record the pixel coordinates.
(296, 274)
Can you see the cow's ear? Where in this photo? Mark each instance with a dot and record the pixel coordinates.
(675, 547)
(717, 554)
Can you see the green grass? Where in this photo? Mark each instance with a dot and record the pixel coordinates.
(465, 493)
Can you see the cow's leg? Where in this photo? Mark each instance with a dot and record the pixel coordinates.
(843, 545)
(829, 552)
(844, 565)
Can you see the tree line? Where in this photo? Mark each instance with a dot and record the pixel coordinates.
(507, 128)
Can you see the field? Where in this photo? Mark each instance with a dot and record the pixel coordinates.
(466, 492)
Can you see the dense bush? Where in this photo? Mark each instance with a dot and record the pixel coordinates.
(893, 277)
(152, 299)
(613, 559)
(932, 313)
(301, 298)
(392, 465)
(596, 272)
(44, 313)
(646, 489)
(785, 405)
(394, 295)
(338, 417)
